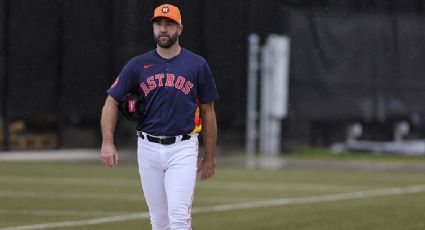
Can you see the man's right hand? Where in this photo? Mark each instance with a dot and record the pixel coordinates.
(109, 155)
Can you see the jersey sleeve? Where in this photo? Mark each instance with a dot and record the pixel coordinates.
(125, 82)
(206, 85)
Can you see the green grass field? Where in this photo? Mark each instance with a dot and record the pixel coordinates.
(88, 196)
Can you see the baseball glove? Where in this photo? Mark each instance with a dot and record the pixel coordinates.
(131, 106)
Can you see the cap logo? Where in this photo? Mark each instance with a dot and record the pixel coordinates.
(165, 10)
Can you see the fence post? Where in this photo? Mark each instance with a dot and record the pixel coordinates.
(251, 108)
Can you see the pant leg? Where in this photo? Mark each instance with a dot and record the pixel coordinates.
(152, 179)
(180, 179)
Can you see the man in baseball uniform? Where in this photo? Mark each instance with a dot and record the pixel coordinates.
(178, 91)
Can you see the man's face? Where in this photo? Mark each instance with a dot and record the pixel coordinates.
(166, 32)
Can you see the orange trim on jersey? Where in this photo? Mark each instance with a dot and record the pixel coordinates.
(197, 119)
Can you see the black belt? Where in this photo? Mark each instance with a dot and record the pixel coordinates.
(163, 140)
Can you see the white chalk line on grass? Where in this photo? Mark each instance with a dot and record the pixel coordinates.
(230, 185)
(71, 195)
(277, 186)
(69, 181)
(314, 199)
(238, 206)
(81, 222)
(61, 213)
(108, 196)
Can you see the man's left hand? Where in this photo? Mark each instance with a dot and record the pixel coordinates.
(206, 168)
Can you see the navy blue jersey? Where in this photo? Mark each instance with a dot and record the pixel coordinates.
(172, 89)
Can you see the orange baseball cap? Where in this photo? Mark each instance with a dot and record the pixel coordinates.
(168, 11)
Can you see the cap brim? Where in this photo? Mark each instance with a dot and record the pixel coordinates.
(155, 17)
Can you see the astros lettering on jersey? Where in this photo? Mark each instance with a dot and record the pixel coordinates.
(177, 85)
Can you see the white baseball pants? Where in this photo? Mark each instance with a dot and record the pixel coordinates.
(168, 176)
